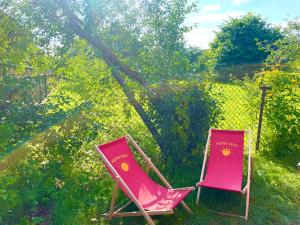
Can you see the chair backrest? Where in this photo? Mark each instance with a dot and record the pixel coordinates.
(225, 162)
(121, 159)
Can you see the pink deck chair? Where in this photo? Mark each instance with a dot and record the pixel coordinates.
(224, 170)
(150, 197)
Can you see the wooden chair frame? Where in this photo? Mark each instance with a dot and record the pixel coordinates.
(142, 212)
(245, 190)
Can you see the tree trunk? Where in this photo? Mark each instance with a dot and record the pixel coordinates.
(117, 67)
(139, 109)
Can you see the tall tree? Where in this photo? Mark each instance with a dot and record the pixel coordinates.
(17, 45)
(149, 27)
(238, 45)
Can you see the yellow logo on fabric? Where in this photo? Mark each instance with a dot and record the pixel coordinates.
(115, 159)
(226, 152)
(124, 166)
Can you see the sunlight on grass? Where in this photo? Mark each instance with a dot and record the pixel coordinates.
(11, 160)
(236, 108)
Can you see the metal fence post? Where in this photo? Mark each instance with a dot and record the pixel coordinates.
(261, 110)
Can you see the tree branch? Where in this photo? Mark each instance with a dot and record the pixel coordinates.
(107, 53)
(145, 118)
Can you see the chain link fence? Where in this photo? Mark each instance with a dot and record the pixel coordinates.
(21, 97)
(239, 104)
(241, 108)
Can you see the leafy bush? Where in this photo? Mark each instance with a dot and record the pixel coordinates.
(282, 104)
(183, 112)
(283, 109)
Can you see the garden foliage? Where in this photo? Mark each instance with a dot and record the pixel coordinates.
(282, 76)
(60, 178)
(93, 110)
(283, 110)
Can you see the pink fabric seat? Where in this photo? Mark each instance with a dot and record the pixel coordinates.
(149, 194)
(225, 163)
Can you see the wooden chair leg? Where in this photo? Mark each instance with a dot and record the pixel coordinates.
(113, 201)
(186, 207)
(148, 218)
(198, 195)
(249, 176)
(247, 202)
